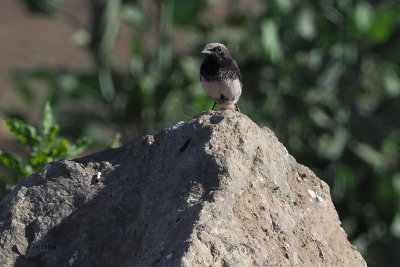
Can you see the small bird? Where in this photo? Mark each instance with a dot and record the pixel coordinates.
(220, 76)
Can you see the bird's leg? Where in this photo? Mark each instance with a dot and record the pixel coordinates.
(236, 105)
(214, 105)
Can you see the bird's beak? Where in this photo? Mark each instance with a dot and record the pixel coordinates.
(206, 52)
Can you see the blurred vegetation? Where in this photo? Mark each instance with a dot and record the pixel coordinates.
(324, 75)
(45, 147)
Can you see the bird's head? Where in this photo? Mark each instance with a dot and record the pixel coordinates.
(216, 51)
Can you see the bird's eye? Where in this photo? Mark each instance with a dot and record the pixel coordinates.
(218, 48)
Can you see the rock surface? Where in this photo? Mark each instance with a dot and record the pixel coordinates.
(214, 191)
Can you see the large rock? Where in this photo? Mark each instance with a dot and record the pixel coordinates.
(214, 191)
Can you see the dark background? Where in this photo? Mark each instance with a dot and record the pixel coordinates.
(323, 75)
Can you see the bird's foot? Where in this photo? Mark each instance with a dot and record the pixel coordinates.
(237, 107)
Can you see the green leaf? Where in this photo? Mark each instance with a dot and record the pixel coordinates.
(331, 146)
(133, 15)
(391, 80)
(116, 142)
(79, 146)
(185, 12)
(10, 187)
(39, 159)
(306, 24)
(370, 155)
(362, 15)
(10, 161)
(82, 38)
(25, 133)
(382, 25)
(51, 137)
(48, 120)
(45, 6)
(61, 149)
(27, 170)
(270, 41)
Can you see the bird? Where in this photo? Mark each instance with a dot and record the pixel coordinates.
(220, 76)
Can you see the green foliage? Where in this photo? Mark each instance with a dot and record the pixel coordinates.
(324, 75)
(45, 147)
(270, 40)
(26, 134)
(45, 6)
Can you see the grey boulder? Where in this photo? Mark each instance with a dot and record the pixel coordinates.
(214, 191)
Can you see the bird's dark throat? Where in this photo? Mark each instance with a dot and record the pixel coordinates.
(210, 68)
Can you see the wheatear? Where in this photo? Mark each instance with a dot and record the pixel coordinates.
(220, 76)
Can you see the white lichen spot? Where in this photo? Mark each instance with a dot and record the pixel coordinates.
(47, 167)
(316, 196)
(168, 257)
(179, 124)
(312, 193)
(98, 175)
(74, 257)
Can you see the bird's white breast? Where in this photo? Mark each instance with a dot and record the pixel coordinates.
(230, 89)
